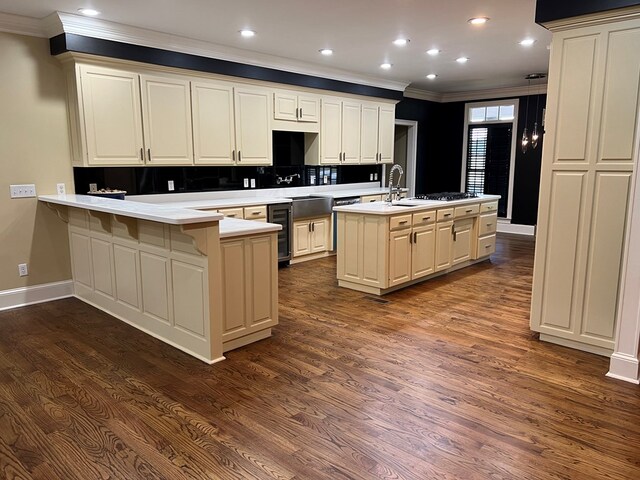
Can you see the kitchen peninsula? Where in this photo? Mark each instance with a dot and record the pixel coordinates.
(383, 247)
(198, 281)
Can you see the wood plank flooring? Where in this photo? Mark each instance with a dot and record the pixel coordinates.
(443, 380)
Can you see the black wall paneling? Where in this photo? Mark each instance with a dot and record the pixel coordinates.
(439, 151)
(155, 180)
(67, 42)
(549, 10)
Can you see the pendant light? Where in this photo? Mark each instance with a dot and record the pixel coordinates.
(535, 135)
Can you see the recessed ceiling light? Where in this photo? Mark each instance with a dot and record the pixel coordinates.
(326, 51)
(90, 12)
(385, 66)
(478, 20)
(432, 76)
(527, 42)
(462, 59)
(247, 33)
(433, 51)
(401, 42)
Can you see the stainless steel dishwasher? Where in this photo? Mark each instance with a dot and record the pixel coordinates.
(340, 202)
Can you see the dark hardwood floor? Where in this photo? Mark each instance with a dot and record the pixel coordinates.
(443, 380)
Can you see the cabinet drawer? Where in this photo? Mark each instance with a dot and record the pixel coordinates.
(488, 224)
(370, 198)
(400, 221)
(445, 214)
(424, 217)
(231, 212)
(254, 213)
(486, 246)
(489, 207)
(466, 210)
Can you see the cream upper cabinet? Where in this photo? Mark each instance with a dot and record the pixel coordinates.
(214, 139)
(292, 107)
(166, 107)
(586, 174)
(340, 132)
(377, 133)
(253, 126)
(109, 102)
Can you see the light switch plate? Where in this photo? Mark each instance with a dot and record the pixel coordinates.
(325, 179)
(171, 186)
(23, 191)
(375, 177)
(371, 177)
(246, 183)
(253, 183)
(23, 269)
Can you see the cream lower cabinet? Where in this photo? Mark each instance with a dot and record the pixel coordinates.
(586, 176)
(463, 245)
(411, 254)
(444, 244)
(311, 236)
(249, 287)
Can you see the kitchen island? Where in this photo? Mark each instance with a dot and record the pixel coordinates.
(383, 247)
(198, 281)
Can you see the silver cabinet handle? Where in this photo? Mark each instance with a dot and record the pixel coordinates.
(149, 153)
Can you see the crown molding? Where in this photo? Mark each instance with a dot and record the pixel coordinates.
(505, 92)
(593, 19)
(21, 25)
(61, 22)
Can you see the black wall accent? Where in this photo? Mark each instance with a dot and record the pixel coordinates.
(548, 10)
(439, 151)
(150, 180)
(67, 42)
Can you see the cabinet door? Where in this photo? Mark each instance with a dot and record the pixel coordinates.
(369, 134)
(330, 131)
(320, 235)
(399, 257)
(309, 109)
(112, 116)
(350, 132)
(423, 251)
(234, 301)
(253, 126)
(443, 245)
(301, 238)
(285, 106)
(166, 106)
(462, 240)
(386, 133)
(213, 129)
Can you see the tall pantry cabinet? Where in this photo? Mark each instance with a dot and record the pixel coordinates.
(587, 168)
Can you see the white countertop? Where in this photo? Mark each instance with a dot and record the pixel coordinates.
(236, 227)
(357, 192)
(408, 206)
(155, 213)
(215, 203)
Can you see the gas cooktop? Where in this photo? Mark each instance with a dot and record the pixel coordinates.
(446, 196)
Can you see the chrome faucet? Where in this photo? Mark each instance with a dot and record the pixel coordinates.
(395, 168)
(288, 179)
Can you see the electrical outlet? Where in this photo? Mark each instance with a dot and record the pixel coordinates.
(23, 270)
(371, 177)
(375, 177)
(253, 183)
(171, 186)
(23, 191)
(246, 183)
(60, 188)
(325, 179)
(93, 187)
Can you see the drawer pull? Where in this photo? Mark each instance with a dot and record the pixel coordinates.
(402, 222)
(489, 224)
(372, 200)
(488, 246)
(470, 210)
(424, 219)
(255, 213)
(231, 215)
(447, 215)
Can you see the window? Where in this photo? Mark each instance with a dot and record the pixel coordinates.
(489, 151)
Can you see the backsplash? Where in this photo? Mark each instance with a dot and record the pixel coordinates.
(154, 180)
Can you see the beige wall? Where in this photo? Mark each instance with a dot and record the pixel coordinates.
(34, 148)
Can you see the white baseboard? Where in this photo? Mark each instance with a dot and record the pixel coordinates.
(19, 297)
(624, 367)
(506, 227)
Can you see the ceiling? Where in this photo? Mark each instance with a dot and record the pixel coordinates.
(360, 32)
